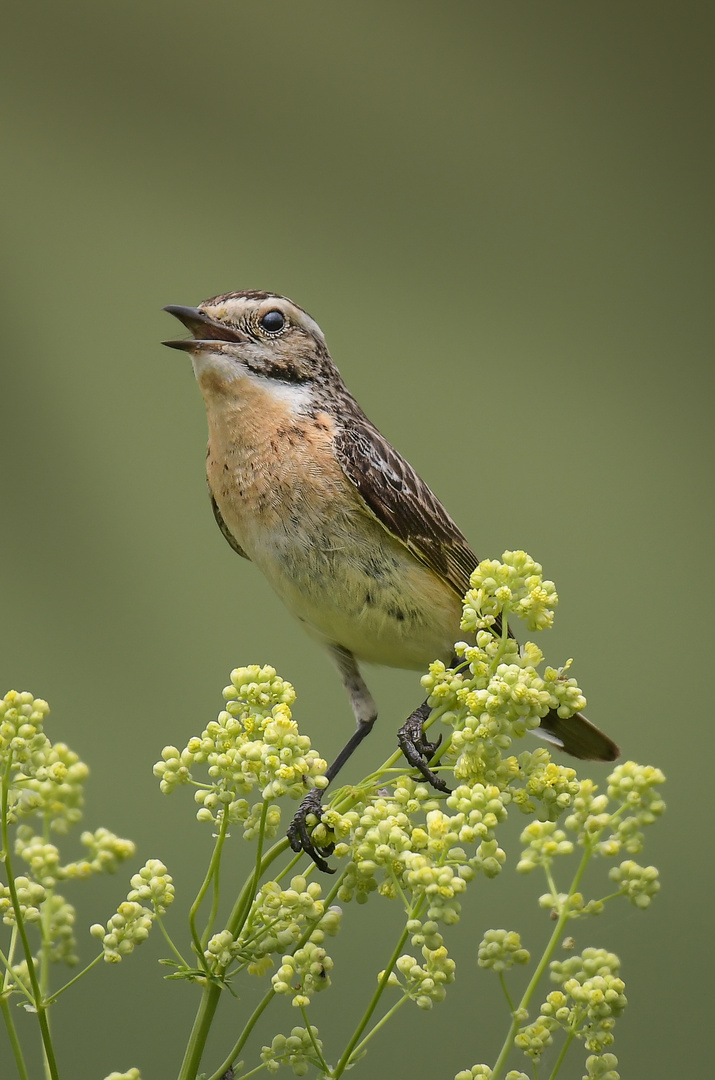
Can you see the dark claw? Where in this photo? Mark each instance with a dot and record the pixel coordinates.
(299, 837)
(428, 749)
(417, 749)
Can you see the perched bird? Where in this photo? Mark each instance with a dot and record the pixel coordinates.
(346, 532)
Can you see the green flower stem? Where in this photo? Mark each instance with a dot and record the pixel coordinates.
(411, 914)
(345, 1060)
(374, 1030)
(611, 896)
(291, 866)
(194, 910)
(507, 995)
(53, 997)
(39, 1004)
(167, 938)
(236, 1050)
(11, 979)
(560, 1059)
(210, 922)
(551, 883)
(252, 1021)
(522, 1007)
(14, 1041)
(399, 890)
(9, 960)
(200, 1031)
(258, 1068)
(259, 846)
(318, 1052)
(212, 988)
(247, 895)
(46, 921)
(254, 881)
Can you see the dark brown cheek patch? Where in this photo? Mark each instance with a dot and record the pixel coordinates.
(282, 369)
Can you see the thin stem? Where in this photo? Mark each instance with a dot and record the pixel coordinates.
(14, 1041)
(194, 910)
(259, 847)
(374, 1030)
(258, 1068)
(256, 877)
(9, 960)
(290, 866)
(560, 1059)
(167, 937)
(347, 1053)
(398, 888)
(210, 922)
(245, 898)
(552, 884)
(236, 1050)
(507, 995)
(521, 1009)
(40, 1005)
(318, 1052)
(46, 940)
(252, 1021)
(11, 978)
(90, 965)
(212, 988)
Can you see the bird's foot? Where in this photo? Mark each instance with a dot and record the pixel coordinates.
(299, 837)
(417, 749)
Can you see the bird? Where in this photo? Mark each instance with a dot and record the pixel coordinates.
(352, 540)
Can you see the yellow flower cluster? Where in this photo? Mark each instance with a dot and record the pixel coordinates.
(253, 744)
(296, 1050)
(131, 923)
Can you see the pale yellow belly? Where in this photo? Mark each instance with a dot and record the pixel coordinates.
(350, 583)
(299, 519)
(366, 593)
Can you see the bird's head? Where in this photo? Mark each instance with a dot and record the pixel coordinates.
(257, 333)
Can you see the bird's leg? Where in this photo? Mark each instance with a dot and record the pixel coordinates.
(417, 749)
(365, 712)
(413, 744)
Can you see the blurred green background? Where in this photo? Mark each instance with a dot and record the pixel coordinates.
(500, 214)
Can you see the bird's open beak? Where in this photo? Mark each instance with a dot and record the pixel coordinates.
(202, 326)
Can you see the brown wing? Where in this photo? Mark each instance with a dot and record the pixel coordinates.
(402, 502)
(227, 534)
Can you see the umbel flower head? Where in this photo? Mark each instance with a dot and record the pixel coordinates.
(151, 894)
(254, 744)
(515, 585)
(499, 691)
(44, 784)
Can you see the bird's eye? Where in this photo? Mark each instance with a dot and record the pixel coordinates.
(273, 321)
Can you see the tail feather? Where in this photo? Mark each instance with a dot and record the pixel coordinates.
(578, 737)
